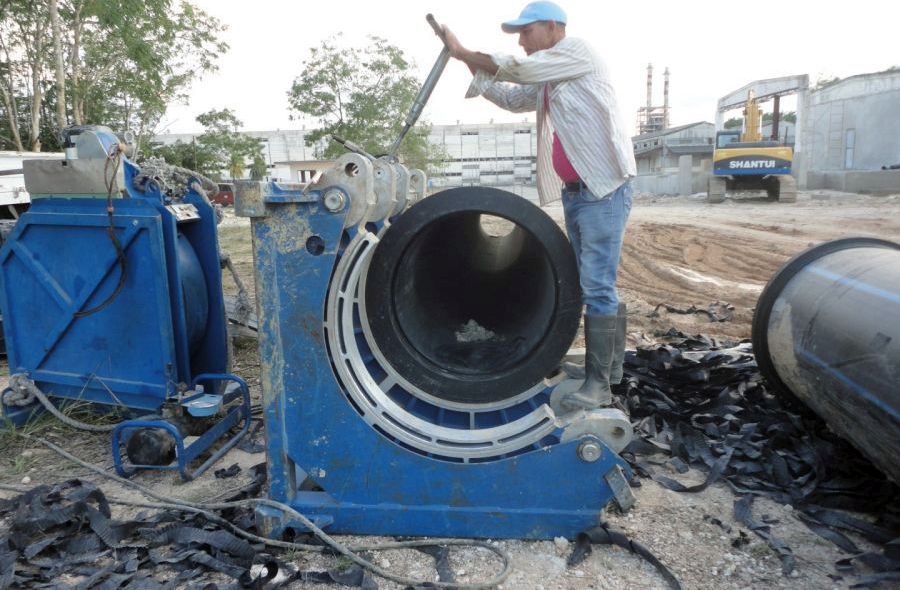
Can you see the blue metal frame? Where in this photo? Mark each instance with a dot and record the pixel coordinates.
(370, 483)
(184, 456)
(134, 354)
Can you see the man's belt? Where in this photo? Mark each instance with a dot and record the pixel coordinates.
(575, 187)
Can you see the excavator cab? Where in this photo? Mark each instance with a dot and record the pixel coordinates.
(724, 138)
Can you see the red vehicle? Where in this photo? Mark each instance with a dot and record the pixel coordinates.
(225, 196)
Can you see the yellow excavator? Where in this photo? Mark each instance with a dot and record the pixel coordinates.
(743, 161)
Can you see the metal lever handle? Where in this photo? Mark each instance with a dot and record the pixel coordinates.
(434, 25)
(356, 149)
(425, 92)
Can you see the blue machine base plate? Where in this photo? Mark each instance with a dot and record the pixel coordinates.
(531, 496)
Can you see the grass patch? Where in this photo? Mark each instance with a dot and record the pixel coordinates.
(41, 422)
(20, 464)
(761, 551)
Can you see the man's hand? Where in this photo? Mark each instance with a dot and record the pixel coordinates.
(475, 61)
(453, 45)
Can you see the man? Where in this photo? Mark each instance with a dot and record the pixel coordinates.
(583, 148)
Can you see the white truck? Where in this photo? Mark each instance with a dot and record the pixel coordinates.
(14, 199)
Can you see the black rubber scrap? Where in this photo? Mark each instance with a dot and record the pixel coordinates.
(258, 478)
(703, 402)
(219, 539)
(354, 577)
(269, 572)
(441, 557)
(227, 472)
(7, 568)
(603, 535)
(66, 528)
(743, 513)
(251, 442)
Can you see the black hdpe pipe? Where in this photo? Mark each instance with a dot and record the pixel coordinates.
(827, 331)
(473, 295)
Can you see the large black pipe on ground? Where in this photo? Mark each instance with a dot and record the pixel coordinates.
(473, 296)
(827, 330)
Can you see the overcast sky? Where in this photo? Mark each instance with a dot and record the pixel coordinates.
(710, 47)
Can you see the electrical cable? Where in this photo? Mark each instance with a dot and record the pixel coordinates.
(21, 383)
(348, 552)
(115, 155)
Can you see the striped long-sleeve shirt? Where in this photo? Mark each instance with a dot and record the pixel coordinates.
(583, 112)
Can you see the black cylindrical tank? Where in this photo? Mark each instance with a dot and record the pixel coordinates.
(472, 295)
(827, 330)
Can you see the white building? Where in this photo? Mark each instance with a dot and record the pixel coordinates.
(854, 123)
(851, 130)
(659, 151)
(501, 154)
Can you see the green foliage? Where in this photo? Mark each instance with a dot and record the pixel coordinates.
(738, 122)
(187, 155)
(228, 149)
(258, 168)
(361, 94)
(125, 61)
(789, 117)
(221, 148)
(131, 82)
(20, 464)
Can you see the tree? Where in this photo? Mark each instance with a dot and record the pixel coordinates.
(61, 120)
(362, 95)
(789, 117)
(123, 63)
(738, 122)
(220, 148)
(22, 36)
(258, 168)
(185, 155)
(8, 83)
(229, 148)
(131, 82)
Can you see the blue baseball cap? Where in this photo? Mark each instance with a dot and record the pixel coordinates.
(534, 12)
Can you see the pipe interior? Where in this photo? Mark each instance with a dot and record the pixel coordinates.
(474, 294)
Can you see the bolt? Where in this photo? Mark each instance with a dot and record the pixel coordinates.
(589, 451)
(333, 200)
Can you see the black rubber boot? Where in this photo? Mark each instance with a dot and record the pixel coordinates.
(594, 392)
(576, 370)
(618, 357)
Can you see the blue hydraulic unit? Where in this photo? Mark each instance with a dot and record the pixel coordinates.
(111, 283)
(408, 347)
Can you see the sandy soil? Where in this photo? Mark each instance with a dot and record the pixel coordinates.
(679, 251)
(683, 251)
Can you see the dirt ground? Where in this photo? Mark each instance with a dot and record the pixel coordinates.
(678, 251)
(684, 251)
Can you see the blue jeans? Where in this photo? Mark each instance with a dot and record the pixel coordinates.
(596, 227)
